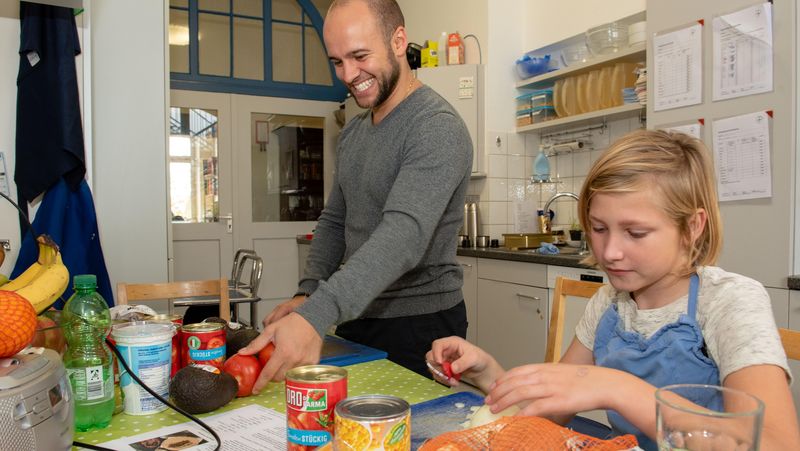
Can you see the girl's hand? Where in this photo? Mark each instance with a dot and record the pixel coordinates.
(556, 389)
(466, 359)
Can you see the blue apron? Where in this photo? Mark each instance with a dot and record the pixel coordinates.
(673, 355)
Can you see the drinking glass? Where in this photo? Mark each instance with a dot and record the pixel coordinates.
(684, 425)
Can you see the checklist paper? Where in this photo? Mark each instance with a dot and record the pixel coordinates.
(743, 52)
(678, 74)
(742, 157)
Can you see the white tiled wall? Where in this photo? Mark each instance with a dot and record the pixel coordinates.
(509, 162)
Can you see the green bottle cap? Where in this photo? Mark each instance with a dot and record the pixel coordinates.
(85, 281)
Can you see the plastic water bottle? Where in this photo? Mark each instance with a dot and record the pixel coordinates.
(86, 322)
(541, 167)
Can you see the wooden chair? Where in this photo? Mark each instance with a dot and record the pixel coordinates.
(791, 343)
(555, 334)
(176, 290)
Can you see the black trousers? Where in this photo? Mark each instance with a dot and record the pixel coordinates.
(406, 339)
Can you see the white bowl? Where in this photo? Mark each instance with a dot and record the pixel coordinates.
(607, 38)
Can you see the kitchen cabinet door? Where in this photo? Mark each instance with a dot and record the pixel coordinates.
(302, 254)
(512, 322)
(470, 290)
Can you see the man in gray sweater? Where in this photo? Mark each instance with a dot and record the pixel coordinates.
(383, 263)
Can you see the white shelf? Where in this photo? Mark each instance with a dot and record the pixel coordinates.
(619, 112)
(630, 55)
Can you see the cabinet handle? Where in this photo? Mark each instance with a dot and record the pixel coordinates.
(535, 298)
(466, 265)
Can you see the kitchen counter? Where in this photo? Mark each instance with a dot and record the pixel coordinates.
(501, 253)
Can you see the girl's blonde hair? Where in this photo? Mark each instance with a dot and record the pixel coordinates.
(675, 164)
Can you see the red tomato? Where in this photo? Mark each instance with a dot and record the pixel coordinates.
(265, 353)
(245, 369)
(448, 371)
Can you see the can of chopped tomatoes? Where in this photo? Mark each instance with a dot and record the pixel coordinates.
(373, 423)
(312, 393)
(177, 320)
(203, 343)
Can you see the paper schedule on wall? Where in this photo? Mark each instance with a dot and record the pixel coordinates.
(678, 74)
(743, 52)
(742, 156)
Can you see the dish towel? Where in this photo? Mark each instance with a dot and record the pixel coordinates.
(548, 248)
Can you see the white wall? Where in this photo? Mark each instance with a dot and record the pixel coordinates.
(129, 92)
(9, 48)
(427, 19)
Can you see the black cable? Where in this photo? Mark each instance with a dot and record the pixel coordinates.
(23, 215)
(158, 397)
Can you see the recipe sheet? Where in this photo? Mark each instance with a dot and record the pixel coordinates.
(743, 52)
(678, 73)
(695, 129)
(742, 156)
(249, 428)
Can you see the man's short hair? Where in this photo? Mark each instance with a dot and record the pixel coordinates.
(387, 12)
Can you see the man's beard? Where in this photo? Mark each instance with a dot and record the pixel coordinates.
(386, 85)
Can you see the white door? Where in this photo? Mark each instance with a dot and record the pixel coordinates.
(247, 172)
(284, 160)
(201, 187)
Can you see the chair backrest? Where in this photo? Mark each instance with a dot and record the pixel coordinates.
(238, 262)
(791, 343)
(555, 335)
(174, 290)
(256, 266)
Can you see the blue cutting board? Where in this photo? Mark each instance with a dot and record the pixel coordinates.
(340, 352)
(440, 415)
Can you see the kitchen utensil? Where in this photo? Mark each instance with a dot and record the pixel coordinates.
(482, 241)
(472, 222)
(575, 54)
(516, 241)
(593, 90)
(570, 95)
(607, 38)
(681, 424)
(37, 408)
(494, 243)
(582, 93)
(606, 98)
(558, 98)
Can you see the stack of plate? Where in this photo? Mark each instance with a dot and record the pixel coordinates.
(637, 33)
(640, 88)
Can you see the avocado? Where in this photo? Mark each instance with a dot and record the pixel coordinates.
(237, 339)
(200, 389)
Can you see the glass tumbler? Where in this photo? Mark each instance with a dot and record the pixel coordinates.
(683, 425)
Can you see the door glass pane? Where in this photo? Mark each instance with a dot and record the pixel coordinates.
(286, 167)
(215, 44)
(178, 41)
(288, 10)
(322, 6)
(248, 7)
(193, 167)
(317, 70)
(286, 46)
(248, 49)
(214, 5)
(181, 3)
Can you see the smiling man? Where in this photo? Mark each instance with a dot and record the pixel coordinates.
(383, 263)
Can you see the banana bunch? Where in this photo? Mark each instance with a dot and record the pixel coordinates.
(45, 280)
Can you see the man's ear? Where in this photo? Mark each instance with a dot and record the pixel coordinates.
(399, 42)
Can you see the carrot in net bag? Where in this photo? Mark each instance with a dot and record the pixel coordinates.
(525, 433)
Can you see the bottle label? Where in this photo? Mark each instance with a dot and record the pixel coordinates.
(90, 383)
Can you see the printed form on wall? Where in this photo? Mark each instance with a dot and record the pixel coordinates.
(743, 52)
(742, 156)
(678, 74)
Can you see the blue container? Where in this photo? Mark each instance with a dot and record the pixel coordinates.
(531, 66)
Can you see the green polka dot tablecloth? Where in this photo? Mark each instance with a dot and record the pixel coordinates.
(377, 377)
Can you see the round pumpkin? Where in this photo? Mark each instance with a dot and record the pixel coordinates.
(17, 323)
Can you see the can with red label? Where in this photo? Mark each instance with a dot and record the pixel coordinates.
(311, 395)
(177, 320)
(203, 343)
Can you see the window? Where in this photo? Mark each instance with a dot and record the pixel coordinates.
(258, 47)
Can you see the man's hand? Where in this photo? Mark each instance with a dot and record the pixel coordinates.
(284, 309)
(296, 343)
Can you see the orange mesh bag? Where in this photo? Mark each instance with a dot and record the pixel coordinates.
(525, 433)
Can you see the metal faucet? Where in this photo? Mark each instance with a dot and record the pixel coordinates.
(584, 248)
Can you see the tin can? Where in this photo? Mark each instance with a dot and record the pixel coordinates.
(203, 343)
(177, 320)
(312, 393)
(373, 422)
